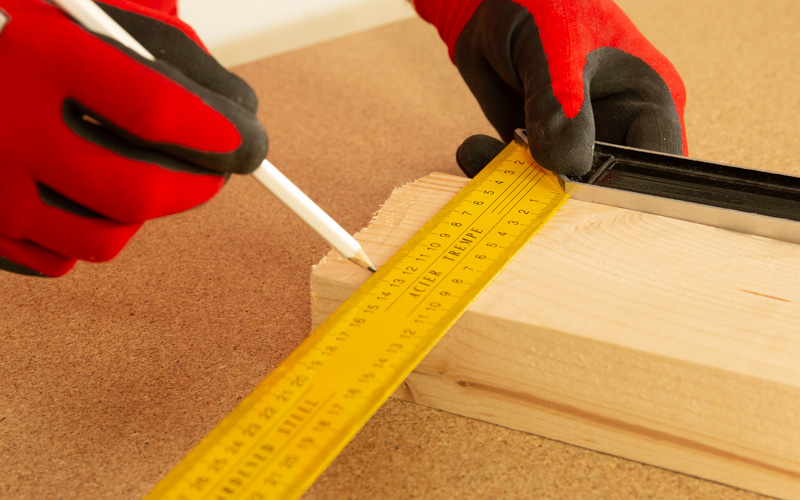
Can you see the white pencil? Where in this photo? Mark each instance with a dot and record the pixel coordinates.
(315, 217)
(95, 19)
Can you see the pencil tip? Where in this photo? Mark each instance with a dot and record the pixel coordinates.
(362, 260)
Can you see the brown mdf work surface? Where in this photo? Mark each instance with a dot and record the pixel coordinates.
(110, 375)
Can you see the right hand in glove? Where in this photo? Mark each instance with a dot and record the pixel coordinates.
(569, 72)
(96, 140)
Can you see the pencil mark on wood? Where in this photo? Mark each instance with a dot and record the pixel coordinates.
(765, 295)
(407, 392)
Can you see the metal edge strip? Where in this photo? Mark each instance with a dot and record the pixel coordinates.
(734, 220)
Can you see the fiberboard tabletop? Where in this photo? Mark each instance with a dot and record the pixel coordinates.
(110, 375)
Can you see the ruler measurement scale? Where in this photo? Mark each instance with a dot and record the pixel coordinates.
(279, 439)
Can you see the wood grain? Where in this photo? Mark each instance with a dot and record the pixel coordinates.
(654, 339)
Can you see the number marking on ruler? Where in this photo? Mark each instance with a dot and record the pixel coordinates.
(279, 439)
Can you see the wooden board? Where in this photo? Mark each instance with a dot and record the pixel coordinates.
(654, 339)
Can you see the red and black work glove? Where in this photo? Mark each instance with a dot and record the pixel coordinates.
(568, 71)
(96, 140)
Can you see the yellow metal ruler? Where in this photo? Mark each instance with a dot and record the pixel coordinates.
(281, 437)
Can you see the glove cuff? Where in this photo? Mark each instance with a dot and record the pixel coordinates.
(165, 11)
(169, 7)
(448, 16)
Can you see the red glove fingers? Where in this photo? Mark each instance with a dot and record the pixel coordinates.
(161, 136)
(134, 190)
(26, 258)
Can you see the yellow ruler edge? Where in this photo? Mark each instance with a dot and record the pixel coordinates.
(283, 435)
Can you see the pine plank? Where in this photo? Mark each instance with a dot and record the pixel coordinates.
(666, 342)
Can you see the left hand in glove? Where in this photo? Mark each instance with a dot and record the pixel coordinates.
(569, 71)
